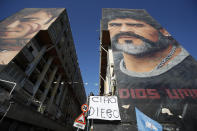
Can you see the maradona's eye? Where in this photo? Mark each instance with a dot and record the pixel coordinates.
(135, 25)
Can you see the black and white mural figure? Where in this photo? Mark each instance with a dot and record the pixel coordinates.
(153, 72)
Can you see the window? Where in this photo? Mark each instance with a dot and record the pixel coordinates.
(62, 55)
(65, 34)
(59, 45)
(68, 43)
(37, 43)
(30, 48)
(66, 64)
(62, 22)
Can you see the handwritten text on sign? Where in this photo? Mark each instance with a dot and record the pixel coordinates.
(104, 107)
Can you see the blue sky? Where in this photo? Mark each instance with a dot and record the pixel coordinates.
(179, 17)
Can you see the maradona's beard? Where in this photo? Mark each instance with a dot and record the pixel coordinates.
(147, 47)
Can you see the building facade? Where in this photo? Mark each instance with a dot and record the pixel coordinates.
(40, 79)
(148, 70)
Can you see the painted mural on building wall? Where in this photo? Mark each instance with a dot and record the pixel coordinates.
(18, 29)
(153, 71)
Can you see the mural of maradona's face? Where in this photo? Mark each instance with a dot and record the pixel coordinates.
(135, 37)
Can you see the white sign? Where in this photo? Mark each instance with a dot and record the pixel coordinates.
(104, 107)
(79, 125)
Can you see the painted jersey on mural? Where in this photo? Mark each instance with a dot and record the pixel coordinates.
(154, 73)
(18, 29)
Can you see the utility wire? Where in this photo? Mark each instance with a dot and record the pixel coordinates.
(6, 112)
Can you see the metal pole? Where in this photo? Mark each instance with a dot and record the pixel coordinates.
(92, 127)
(77, 129)
(88, 114)
(87, 125)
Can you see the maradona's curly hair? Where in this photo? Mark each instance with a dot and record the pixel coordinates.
(109, 14)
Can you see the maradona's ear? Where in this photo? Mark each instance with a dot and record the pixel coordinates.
(164, 32)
